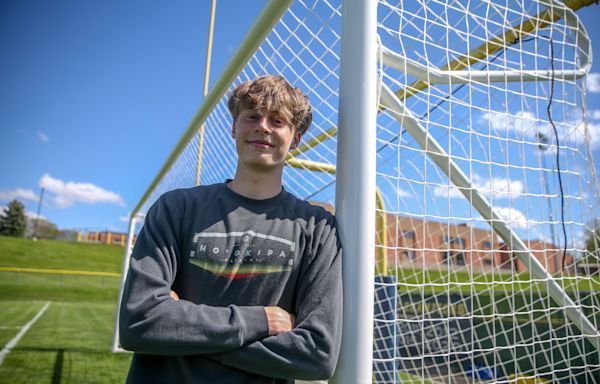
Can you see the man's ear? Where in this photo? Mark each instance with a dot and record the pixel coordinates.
(233, 131)
(296, 140)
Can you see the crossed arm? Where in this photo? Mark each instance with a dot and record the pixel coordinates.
(263, 340)
(278, 319)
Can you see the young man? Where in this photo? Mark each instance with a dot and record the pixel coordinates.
(238, 282)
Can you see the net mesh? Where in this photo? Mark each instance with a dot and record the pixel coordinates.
(453, 302)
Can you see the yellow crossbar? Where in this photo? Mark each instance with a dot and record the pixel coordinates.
(541, 20)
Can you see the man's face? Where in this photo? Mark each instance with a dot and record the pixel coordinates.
(263, 141)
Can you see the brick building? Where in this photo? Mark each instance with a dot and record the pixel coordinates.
(430, 244)
(412, 242)
(105, 237)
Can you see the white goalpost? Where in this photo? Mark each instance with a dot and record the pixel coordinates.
(451, 139)
(355, 186)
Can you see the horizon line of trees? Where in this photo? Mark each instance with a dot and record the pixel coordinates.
(15, 223)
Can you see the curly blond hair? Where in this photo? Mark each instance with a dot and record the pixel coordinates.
(272, 94)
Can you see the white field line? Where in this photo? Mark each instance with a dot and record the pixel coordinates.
(12, 343)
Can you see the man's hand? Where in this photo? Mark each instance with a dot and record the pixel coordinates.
(279, 320)
(174, 295)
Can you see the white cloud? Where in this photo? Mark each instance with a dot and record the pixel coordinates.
(43, 136)
(497, 186)
(513, 217)
(521, 122)
(29, 214)
(69, 193)
(526, 126)
(503, 187)
(18, 193)
(33, 215)
(593, 82)
(593, 127)
(594, 114)
(593, 131)
(124, 219)
(579, 240)
(400, 192)
(450, 192)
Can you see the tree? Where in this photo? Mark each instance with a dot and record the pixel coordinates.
(590, 260)
(592, 241)
(12, 222)
(41, 228)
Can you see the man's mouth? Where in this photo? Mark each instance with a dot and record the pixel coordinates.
(260, 143)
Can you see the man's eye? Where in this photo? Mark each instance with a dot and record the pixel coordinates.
(278, 122)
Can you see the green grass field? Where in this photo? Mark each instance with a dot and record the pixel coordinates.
(71, 341)
(50, 254)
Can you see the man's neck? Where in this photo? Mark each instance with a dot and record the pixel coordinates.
(256, 186)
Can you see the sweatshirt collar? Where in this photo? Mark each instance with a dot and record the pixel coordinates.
(255, 204)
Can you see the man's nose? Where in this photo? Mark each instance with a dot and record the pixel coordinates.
(263, 124)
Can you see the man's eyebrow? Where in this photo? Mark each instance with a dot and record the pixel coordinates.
(278, 115)
(246, 112)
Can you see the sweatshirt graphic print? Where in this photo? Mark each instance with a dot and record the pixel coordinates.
(242, 254)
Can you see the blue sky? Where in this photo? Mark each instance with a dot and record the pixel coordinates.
(95, 95)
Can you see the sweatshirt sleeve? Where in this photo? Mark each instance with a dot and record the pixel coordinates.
(310, 351)
(152, 322)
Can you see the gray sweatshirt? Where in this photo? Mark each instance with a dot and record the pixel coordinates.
(228, 256)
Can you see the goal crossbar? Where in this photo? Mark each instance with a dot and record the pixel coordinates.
(453, 75)
(499, 42)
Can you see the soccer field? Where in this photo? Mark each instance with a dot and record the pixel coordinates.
(70, 342)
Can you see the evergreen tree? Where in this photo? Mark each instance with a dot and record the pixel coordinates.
(12, 221)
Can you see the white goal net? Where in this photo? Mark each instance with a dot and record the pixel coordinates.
(487, 200)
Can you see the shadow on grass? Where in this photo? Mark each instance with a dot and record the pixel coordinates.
(58, 361)
(67, 350)
(62, 359)
(58, 366)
